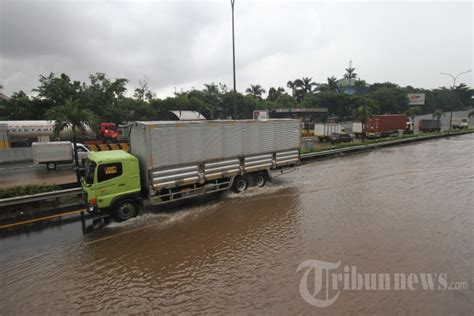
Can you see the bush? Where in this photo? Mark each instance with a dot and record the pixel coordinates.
(26, 190)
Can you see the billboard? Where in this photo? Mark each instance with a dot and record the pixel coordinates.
(416, 98)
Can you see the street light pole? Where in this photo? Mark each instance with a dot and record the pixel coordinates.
(233, 56)
(454, 86)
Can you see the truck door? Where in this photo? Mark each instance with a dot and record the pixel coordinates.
(110, 183)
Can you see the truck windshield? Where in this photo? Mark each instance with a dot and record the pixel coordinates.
(89, 172)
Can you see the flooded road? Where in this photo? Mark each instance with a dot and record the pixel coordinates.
(27, 173)
(406, 210)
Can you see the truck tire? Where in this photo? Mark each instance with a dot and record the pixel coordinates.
(124, 210)
(240, 184)
(51, 166)
(260, 179)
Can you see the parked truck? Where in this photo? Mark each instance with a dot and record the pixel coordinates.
(384, 125)
(324, 131)
(460, 122)
(429, 125)
(52, 154)
(357, 129)
(171, 161)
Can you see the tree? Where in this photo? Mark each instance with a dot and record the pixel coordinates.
(58, 89)
(292, 85)
(412, 112)
(390, 99)
(361, 114)
(350, 73)
(438, 114)
(71, 115)
(307, 85)
(273, 93)
(255, 90)
(332, 84)
(143, 93)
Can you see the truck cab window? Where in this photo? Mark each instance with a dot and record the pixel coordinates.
(109, 171)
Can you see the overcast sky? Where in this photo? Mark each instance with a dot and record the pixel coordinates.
(185, 44)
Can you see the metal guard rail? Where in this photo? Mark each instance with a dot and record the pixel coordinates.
(39, 197)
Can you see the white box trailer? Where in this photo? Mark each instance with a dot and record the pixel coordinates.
(53, 153)
(191, 155)
(357, 129)
(323, 131)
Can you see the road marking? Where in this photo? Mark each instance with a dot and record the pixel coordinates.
(40, 219)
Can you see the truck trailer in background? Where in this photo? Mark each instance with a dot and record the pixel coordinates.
(170, 161)
(429, 125)
(24, 133)
(324, 131)
(52, 154)
(460, 123)
(384, 125)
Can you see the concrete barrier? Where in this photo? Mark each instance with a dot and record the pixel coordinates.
(16, 154)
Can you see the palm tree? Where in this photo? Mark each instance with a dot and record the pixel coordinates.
(71, 115)
(299, 91)
(412, 112)
(307, 85)
(273, 93)
(211, 88)
(292, 85)
(332, 84)
(255, 90)
(361, 114)
(438, 114)
(350, 73)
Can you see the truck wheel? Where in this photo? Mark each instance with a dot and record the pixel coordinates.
(240, 184)
(51, 166)
(125, 210)
(260, 179)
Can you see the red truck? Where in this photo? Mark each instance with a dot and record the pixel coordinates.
(384, 125)
(106, 133)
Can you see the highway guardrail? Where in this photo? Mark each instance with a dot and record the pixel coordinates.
(39, 197)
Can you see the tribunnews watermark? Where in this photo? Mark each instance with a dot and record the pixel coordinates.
(322, 282)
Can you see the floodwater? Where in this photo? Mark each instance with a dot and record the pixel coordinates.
(406, 210)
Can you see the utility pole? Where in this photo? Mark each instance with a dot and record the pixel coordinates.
(454, 87)
(233, 57)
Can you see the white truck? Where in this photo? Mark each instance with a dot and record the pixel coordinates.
(460, 122)
(357, 129)
(170, 161)
(323, 131)
(54, 153)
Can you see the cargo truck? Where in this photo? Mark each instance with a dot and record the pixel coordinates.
(357, 129)
(460, 122)
(384, 125)
(324, 131)
(428, 125)
(171, 161)
(52, 154)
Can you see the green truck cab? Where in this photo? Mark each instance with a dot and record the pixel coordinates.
(111, 181)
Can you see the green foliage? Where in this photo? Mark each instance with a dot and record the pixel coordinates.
(391, 100)
(72, 115)
(107, 99)
(26, 190)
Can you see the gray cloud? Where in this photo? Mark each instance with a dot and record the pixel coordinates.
(187, 43)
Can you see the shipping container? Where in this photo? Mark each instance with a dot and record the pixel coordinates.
(427, 125)
(385, 125)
